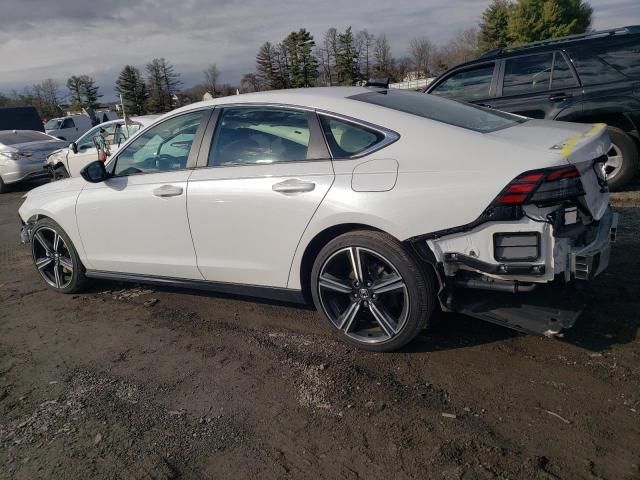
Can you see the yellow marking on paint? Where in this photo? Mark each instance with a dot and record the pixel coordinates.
(596, 129)
(569, 145)
(571, 142)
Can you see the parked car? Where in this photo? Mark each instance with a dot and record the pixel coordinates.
(68, 128)
(377, 204)
(20, 118)
(21, 155)
(588, 78)
(70, 160)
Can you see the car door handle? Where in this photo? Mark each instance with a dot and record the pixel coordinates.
(293, 185)
(168, 191)
(559, 97)
(485, 105)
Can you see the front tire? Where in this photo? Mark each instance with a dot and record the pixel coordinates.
(55, 258)
(59, 173)
(372, 290)
(622, 164)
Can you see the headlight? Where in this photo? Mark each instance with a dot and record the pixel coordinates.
(10, 155)
(17, 155)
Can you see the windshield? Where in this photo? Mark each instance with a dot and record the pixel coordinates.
(22, 136)
(463, 115)
(53, 124)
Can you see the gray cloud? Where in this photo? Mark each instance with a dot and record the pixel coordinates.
(59, 38)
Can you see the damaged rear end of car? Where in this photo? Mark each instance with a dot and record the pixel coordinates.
(546, 229)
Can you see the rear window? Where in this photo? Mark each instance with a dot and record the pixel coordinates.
(10, 138)
(464, 115)
(347, 139)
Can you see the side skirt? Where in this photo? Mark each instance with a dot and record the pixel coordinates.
(257, 291)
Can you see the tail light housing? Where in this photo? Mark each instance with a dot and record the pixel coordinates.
(542, 187)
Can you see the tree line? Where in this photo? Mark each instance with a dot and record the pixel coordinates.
(338, 58)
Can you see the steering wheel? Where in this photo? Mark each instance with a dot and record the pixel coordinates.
(168, 162)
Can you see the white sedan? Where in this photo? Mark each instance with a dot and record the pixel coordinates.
(377, 205)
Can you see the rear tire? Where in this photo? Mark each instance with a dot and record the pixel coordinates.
(55, 258)
(384, 305)
(625, 153)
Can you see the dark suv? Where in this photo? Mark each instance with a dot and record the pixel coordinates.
(589, 78)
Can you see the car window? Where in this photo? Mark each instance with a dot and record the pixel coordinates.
(260, 135)
(164, 147)
(609, 62)
(464, 115)
(86, 141)
(53, 124)
(531, 73)
(347, 139)
(68, 123)
(470, 84)
(562, 76)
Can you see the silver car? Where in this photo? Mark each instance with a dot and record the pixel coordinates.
(22, 153)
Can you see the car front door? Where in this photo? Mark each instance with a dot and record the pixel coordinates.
(475, 84)
(265, 173)
(136, 221)
(541, 85)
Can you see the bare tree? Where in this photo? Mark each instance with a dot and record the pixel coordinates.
(383, 58)
(462, 48)
(364, 45)
(211, 75)
(421, 54)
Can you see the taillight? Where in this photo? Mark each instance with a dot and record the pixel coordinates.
(542, 187)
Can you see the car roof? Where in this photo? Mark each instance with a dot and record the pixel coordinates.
(600, 36)
(325, 98)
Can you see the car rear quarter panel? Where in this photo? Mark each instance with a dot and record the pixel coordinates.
(447, 176)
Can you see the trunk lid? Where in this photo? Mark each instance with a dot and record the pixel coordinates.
(577, 144)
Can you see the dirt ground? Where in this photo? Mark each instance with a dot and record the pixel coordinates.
(132, 382)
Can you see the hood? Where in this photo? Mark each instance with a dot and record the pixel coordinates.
(74, 184)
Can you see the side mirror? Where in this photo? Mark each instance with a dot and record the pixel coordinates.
(95, 172)
(74, 147)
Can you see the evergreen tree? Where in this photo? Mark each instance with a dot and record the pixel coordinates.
(533, 20)
(89, 91)
(162, 84)
(74, 84)
(347, 68)
(133, 90)
(494, 28)
(83, 92)
(266, 66)
(302, 64)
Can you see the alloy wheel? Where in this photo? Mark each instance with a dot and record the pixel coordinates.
(614, 162)
(52, 258)
(363, 295)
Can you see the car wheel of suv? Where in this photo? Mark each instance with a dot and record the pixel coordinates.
(55, 258)
(60, 173)
(372, 290)
(3, 186)
(622, 163)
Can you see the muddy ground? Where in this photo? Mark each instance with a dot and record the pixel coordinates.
(132, 382)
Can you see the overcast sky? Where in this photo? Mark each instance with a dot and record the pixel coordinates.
(59, 38)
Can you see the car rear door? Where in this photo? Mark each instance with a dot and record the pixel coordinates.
(264, 172)
(539, 85)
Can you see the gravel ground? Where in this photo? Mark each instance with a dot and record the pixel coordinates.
(126, 381)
